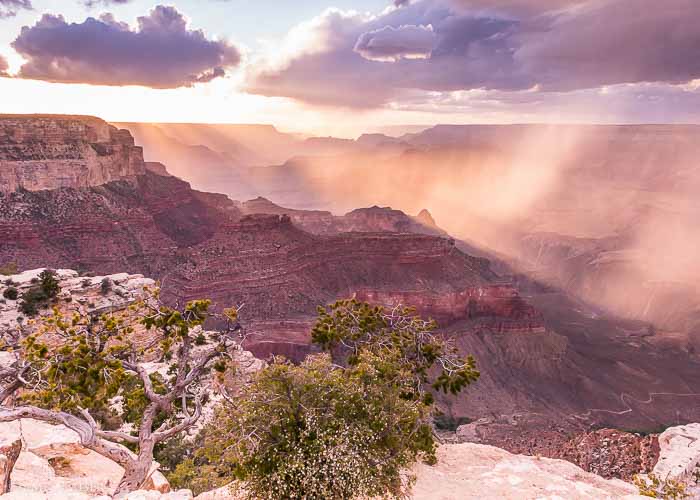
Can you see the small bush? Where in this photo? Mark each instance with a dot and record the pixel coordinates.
(106, 286)
(450, 423)
(49, 283)
(45, 289)
(9, 269)
(652, 486)
(10, 293)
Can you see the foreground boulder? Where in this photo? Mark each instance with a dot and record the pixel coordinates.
(477, 471)
(680, 457)
(53, 464)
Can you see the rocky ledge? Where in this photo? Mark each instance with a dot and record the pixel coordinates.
(91, 295)
(50, 152)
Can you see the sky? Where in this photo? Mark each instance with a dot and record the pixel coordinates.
(343, 67)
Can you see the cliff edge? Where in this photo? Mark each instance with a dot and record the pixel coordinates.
(41, 152)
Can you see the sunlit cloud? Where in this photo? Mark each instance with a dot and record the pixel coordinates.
(508, 45)
(162, 52)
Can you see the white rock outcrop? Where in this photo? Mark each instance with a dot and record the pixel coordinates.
(474, 471)
(53, 463)
(83, 294)
(464, 471)
(680, 456)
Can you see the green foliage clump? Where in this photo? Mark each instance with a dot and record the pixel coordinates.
(10, 293)
(92, 361)
(654, 487)
(316, 431)
(105, 286)
(9, 269)
(84, 372)
(44, 289)
(342, 428)
(408, 346)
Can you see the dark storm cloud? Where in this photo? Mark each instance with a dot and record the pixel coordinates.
(161, 53)
(9, 8)
(506, 45)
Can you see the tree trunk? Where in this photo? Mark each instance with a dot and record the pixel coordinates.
(9, 453)
(137, 470)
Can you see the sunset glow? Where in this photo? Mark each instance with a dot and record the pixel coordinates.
(339, 68)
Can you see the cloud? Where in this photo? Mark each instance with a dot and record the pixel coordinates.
(104, 3)
(9, 8)
(160, 53)
(466, 51)
(614, 42)
(391, 44)
(505, 45)
(3, 66)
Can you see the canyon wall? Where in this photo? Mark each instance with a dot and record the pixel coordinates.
(50, 152)
(494, 301)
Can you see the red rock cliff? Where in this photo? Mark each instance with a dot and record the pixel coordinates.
(49, 152)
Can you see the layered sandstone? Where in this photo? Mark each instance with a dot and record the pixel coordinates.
(680, 456)
(364, 220)
(50, 152)
(493, 301)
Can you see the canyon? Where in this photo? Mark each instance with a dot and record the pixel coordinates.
(541, 348)
(603, 212)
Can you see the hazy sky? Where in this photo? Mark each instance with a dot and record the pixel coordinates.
(346, 66)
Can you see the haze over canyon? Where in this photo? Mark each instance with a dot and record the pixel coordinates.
(430, 249)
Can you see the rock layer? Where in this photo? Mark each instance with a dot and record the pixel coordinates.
(50, 152)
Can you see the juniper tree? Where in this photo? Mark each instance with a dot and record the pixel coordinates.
(336, 429)
(72, 371)
(409, 343)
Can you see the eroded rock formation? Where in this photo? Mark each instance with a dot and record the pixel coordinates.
(50, 152)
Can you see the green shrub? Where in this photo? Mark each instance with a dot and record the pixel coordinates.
(450, 423)
(105, 286)
(9, 269)
(10, 293)
(321, 432)
(45, 289)
(335, 428)
(49, 283)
